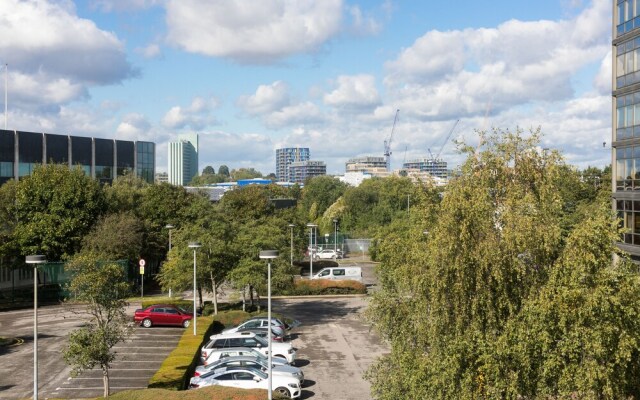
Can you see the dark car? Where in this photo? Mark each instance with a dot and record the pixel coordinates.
(162, 314)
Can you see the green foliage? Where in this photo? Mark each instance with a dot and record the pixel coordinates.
(244, 173)
(323, 287)
(207, 179)
(224, 170)
(180, 364)
(116, 237)
(104, 288)
(208, 170)
(320, 193)
(53, 209)
(505, 288)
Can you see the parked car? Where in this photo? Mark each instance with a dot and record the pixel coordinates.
(259, 322)
(217, 354)
(340, 273)
(326, 254)
(248, 339)
(248, 378)
(254, 362)
(162, 314)
(262, 332)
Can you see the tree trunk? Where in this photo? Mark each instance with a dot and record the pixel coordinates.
(251, 294)
(244, 299)
(214, 289)
(200, 297)
(105, 381)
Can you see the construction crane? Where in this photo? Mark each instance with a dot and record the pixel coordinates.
(437, 157)
(387, 143)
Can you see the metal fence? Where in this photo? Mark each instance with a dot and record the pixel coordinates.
(16, 282)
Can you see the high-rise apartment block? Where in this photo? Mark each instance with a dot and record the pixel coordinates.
(102, 159)
(286, 156)
(367, 164)
(437, 168)
(300, 171)
(183, 160)
(626, 122)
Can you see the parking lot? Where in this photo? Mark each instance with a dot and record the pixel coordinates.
(335, 346)
(138, 358)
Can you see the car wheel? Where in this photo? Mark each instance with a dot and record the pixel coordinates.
(283, 391)
(185, 323)
(146, 323)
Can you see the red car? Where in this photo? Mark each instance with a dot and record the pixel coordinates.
(162, 314)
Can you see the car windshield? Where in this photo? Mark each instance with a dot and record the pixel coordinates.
(261, 341)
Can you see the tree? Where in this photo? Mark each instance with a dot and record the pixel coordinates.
(104, 288)
(448, 296)
(208, 170)
(54, 208)
(115, 237)
(223, 170)
(245, 173)
(323, 191)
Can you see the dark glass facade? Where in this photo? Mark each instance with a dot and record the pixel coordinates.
(82, 153)
(7, 155)
(125, 156)
(29, 152)
(146, 160)
(103, 159)
(56, 149)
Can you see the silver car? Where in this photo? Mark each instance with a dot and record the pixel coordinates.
(260, 363)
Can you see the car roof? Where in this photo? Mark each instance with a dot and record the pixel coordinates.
(163, 305)
(234, 349)
(233, 358)
(233, 368)
(231, 335)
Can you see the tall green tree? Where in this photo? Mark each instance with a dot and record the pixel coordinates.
(245, 173)
(54, 208)
(116, 237)
(498, 234)
(224, 170)
(103, 287)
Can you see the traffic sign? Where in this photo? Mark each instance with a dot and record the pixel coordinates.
(141, 270)
(142, 262)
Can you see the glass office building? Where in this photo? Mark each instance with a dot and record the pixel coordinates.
(103, 159)
(286, 156)
(626, 121)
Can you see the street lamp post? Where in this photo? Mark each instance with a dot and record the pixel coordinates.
(291, 226)
(35, 260)
(169, 227)
(311, 226)
(269, 255)
(194, 246)
(335, 235)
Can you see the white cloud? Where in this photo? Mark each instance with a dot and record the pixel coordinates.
(133, 127)
(62, 46)
(197, 115)
(124, 5)
(363, 24)
(151, 51)
(357, 91)
(305, 113)
(602, 80)
(248, 32)
(237, 151)
(266, 99)
(457, 73)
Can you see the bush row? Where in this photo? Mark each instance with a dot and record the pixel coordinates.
(305, 287)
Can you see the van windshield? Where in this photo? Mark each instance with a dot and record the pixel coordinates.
(324, 272)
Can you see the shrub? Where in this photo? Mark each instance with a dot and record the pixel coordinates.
(186, 304)
(206, 393)
(327, 286)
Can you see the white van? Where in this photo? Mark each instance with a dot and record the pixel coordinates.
(339, 273)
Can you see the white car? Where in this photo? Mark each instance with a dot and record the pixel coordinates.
(215, 355)
(326, 254)
(253, 362)
(277, 327)
(248, 378)
(248, 339)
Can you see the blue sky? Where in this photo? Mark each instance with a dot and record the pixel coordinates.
(250, 77)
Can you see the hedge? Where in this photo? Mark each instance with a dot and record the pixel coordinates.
(205, 393)
(326, 286)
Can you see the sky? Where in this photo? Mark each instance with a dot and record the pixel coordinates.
(253, 76)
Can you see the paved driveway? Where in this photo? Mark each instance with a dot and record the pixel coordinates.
(335, 346)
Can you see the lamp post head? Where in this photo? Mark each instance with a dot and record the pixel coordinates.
(35, 259)
(268, 254)
(311, 225)
(335, 221)
(194, 245)
(169, 226)
(291, 225)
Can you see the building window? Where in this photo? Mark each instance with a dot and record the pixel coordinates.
(628, 116)
(629, 217)
(628, 12)
(628, 168)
